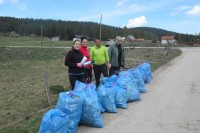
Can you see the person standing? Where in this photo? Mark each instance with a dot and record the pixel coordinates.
(100, 59)
(72, 60)
(116, 56)
(86, 53)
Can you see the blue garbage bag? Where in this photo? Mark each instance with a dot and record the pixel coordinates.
(133, 93)
(54, 121)
(79, 87)
(105, 80)
(120, 93)
(106, 95)
(91, 114)
(145, 71)
(120, 97)
(149, 73)
(138, 79)
(71, 103)
(125, 81)
(142, 71)
(113, 78)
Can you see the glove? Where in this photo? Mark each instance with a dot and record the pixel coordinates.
(79, 64)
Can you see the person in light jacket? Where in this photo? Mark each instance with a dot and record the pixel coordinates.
(116, 56)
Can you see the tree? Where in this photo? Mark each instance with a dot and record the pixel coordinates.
(125, 30)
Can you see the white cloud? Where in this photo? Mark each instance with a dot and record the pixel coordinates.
(13, 1)
(2, 1)
(129, 10)
(194, 11)
(121, 2)
(179, 10)
(136, 22)
(135, 7)
(9, 1)
(22, 6)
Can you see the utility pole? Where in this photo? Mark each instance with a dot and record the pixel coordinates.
(100, 27)
(41, 32)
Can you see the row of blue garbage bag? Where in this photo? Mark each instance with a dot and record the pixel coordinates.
(85, 105)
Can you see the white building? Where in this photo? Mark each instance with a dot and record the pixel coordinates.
(55, 39)
(168, 39)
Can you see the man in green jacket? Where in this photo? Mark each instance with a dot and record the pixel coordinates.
(100, 59)
(116, 56)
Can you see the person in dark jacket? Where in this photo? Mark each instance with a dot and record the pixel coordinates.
(116, 56)
(73, 61)
(88, 68)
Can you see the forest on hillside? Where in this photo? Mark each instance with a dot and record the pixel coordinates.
(67, 30)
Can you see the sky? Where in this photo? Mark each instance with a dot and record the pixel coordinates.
(181, 16)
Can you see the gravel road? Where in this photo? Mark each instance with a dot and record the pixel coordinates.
(171, 105)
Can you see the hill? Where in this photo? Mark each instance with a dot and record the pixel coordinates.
(66, 30)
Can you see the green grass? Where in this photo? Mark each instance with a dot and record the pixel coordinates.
(22, 81)
(29, 125)
(34, 41)
(38, 41)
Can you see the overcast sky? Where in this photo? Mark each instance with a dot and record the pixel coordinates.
(182, 16)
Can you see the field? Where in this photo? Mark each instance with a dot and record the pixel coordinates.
(22, 84)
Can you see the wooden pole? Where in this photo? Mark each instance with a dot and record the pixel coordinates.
(100, 27)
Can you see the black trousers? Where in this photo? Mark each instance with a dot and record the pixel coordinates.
(113, 70)
(98, 69)
(88, 75)
(73, 78)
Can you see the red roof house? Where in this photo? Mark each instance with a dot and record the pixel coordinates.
(168, 39)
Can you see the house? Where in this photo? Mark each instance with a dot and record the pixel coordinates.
(109, 42)
(196, 45)
(129, 38)
(79, 37)
(168, 39)
(139, 40)
(55, 39)
(123, 39)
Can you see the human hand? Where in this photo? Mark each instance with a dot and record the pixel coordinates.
(108, 66)
(79, 64)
